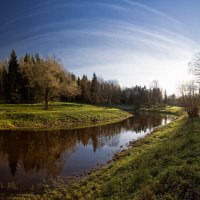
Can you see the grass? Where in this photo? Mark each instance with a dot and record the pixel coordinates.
(164, 165)
(59, 115)
(164, 109)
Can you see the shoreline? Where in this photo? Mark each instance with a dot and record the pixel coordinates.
(60, 116)
(67, 127)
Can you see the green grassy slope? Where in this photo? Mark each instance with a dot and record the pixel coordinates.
(59, 115)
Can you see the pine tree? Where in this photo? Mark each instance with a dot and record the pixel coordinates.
(2, 81)
(27, 92)
(37, 58)
(13, 80)
(85, 89)
(78, 97)
(94, 89)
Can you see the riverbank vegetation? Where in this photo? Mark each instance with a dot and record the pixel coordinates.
(146, 170)
(59, 115)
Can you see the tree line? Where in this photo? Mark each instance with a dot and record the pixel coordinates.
(33, 79)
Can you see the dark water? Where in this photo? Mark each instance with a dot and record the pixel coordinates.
(29, 157)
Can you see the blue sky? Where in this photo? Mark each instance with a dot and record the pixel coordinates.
(132, 41)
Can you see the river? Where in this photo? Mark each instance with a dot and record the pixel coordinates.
(28, 157)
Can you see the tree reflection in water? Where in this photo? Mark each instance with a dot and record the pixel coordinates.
(46, 152)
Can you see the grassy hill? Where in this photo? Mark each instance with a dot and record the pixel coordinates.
(59, 115)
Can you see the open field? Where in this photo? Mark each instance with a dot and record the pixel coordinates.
(59, 115)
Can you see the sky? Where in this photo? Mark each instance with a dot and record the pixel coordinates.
(132, 41)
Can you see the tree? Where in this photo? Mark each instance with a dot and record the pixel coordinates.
(194, 67)
(85, 89)
(94, 89)
(190, 97)
(28, 93)
(2, 80)
(13, 84)
(48, 78)
(191, 90)
(70, 86)
(155, 94)
(78, 97)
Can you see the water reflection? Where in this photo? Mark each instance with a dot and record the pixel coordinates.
(31, 156)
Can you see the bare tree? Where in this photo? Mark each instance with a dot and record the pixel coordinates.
(191, 90)
(155, 94)
(190, 98)
(194, 68)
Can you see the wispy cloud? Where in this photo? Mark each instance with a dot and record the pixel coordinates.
(115, 40)
(152, 10)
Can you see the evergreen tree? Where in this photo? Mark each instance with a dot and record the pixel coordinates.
(85, 89)
(13, 80)
(28, 93)
(94, 89)
(2, 81)
(37, 58)
(78, 97)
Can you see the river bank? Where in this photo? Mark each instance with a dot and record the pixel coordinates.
(59, 115)
(163, 165)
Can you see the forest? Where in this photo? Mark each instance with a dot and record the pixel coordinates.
(33, 79)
